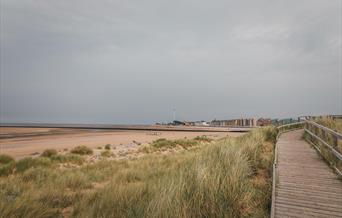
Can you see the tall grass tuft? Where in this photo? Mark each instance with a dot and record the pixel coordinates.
(106, 153)
(335, 125)
(165, 143)
(82, 150)
(5, 159)
(29, 162)
(203, 138)
(68, 158)
(7, 164)
(48, 153)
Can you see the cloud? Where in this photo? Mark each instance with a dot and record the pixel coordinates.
(133, 61)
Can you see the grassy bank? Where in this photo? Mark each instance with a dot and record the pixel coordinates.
(335, 125)
(226, 178)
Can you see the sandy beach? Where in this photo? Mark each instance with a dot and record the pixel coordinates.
(22, 142)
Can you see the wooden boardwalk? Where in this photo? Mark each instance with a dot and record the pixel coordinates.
(305, 185)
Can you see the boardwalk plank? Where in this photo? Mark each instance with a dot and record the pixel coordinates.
(305, 185)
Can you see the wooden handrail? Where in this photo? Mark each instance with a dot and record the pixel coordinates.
(291, 124)
(313, 129)
(336, 153)
(338, 135)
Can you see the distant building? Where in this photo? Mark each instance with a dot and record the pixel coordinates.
(201, 123)
(287, 121)
(249, 122)
(178, 123)
(278, 122)
(264, 122)
(275, 121)
(189, 123)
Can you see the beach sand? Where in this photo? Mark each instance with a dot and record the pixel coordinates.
(22, 142)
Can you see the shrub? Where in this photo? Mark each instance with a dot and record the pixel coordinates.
(5, 159)
(48, 153)
(82, 150)
(107, 146)
(106, 153)
(26, 163)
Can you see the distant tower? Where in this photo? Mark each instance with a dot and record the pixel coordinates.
(174, 114)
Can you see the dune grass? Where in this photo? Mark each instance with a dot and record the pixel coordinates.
(5, 159)
(29, 162)
(49, 153)
(203, 138)
(335, 125)
(106, 153)
(107, 146)
(68, 158)
(7, 164)
(165, 143)
(227, 178)
(82, 150)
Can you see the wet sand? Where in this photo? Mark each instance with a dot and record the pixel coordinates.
(22, 142)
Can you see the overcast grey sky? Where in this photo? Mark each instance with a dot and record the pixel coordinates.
(83, 61)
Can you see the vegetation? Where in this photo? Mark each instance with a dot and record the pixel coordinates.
(107, 146)
(29, 162)
(48, 153)
(227, 178)
(82, 150)
(165, 143)
(68, 158)
(5, 159)
(6, 169)
(335, 125)
(7, 164)
(106, 153)
(203, 138)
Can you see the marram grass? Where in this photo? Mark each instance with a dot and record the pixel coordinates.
(226, 178)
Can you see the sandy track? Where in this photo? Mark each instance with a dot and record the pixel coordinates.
(21, 142)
